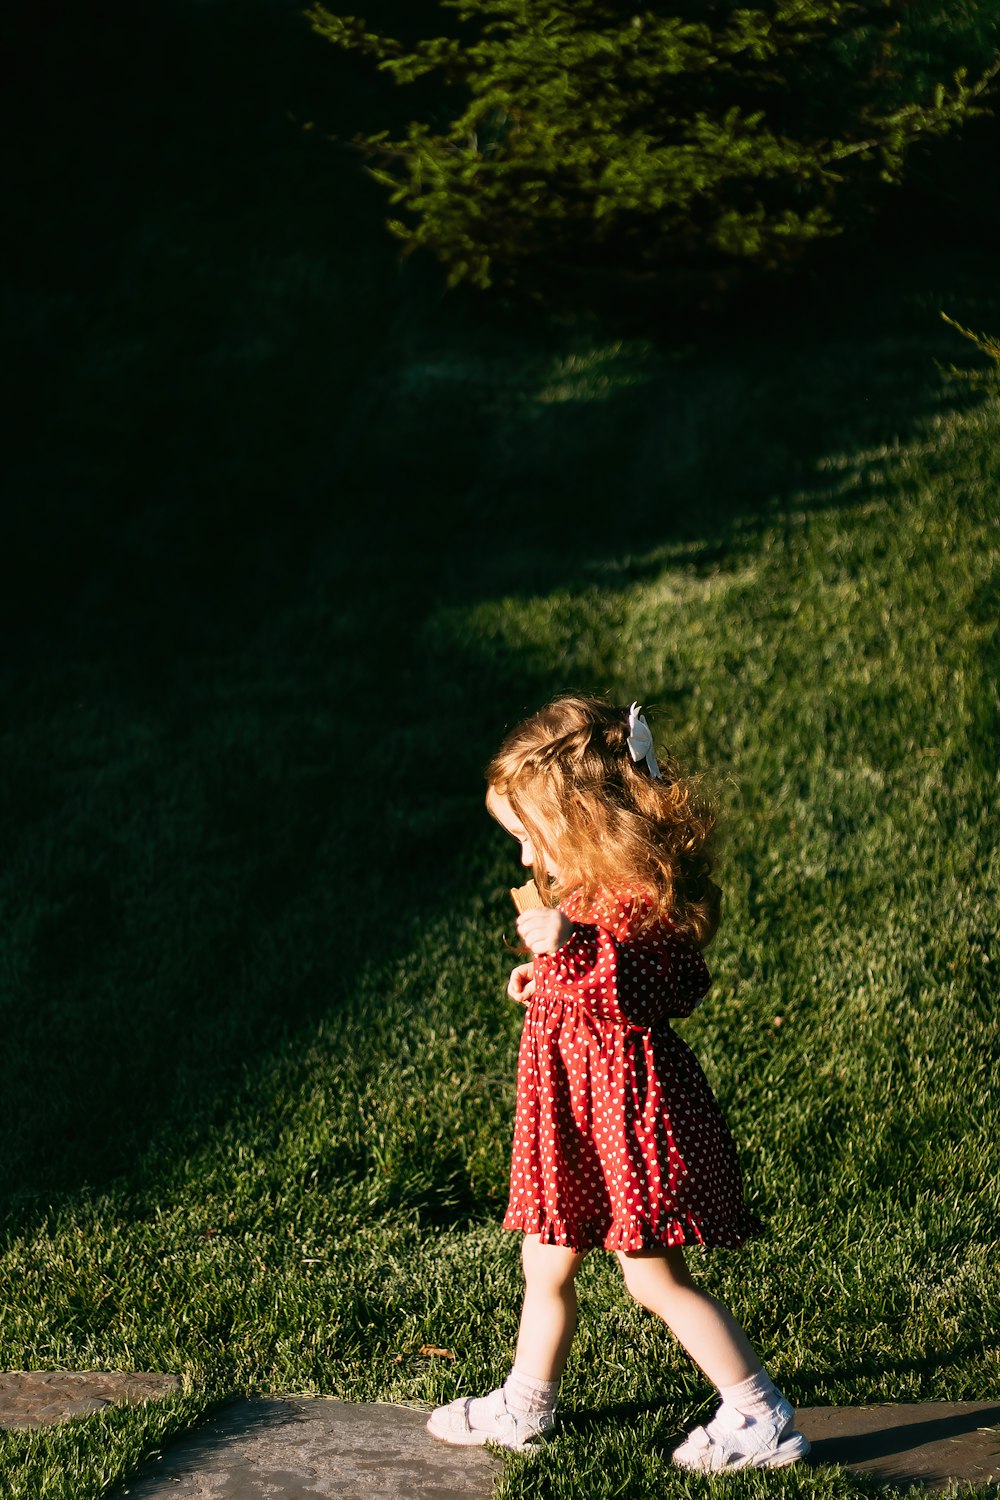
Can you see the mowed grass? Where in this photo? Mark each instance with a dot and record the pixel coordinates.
(298, 539)
(310, 1218)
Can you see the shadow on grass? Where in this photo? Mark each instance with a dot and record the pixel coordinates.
(253, 456)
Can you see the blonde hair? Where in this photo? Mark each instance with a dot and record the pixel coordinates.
(569, 777)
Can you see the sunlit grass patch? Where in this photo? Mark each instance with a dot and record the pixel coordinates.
(342, 1213)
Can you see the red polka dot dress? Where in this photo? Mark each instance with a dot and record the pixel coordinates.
(618, 1139)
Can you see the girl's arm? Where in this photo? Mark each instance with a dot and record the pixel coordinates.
(643, 982)
(521, 985)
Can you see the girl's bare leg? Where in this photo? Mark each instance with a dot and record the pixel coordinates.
(754, 1426)
(708, 1331)
(523, 1410)
(548, 1314)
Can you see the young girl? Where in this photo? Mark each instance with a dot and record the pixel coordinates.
(618, 1140)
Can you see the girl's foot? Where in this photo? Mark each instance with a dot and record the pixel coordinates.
(732, 1440)
(494, 1422)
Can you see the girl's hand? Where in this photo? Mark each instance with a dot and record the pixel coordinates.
(543, 929)
(521, 985)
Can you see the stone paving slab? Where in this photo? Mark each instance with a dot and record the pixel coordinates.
(310, 1448)
(933, 1443)
(37, 1398)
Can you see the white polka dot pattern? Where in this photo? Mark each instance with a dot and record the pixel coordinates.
(618, 1139)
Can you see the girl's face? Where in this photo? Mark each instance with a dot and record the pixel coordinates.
(531, 854)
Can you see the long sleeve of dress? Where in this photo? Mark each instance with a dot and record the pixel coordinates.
(628, 981)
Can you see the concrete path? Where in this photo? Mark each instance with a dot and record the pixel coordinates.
(928, 1443)
(310, 1449)
(306, 1448)
(37, 1398)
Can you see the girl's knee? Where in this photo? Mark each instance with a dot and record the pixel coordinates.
(652, 1276)
(636, 1279)
(553, 1265)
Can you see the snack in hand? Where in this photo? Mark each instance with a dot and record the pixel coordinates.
(525, 897)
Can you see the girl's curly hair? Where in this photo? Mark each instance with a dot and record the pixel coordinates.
(569, 777)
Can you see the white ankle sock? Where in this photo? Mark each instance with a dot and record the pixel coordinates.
(754, 1397)
(526, 1396)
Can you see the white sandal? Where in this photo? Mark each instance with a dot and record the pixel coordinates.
(732, 1440)
(451, 1424)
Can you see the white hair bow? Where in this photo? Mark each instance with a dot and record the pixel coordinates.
(640, 741)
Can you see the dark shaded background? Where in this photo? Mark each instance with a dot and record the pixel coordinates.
(250, 452)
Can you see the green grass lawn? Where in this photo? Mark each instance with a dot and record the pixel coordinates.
(298, 540)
